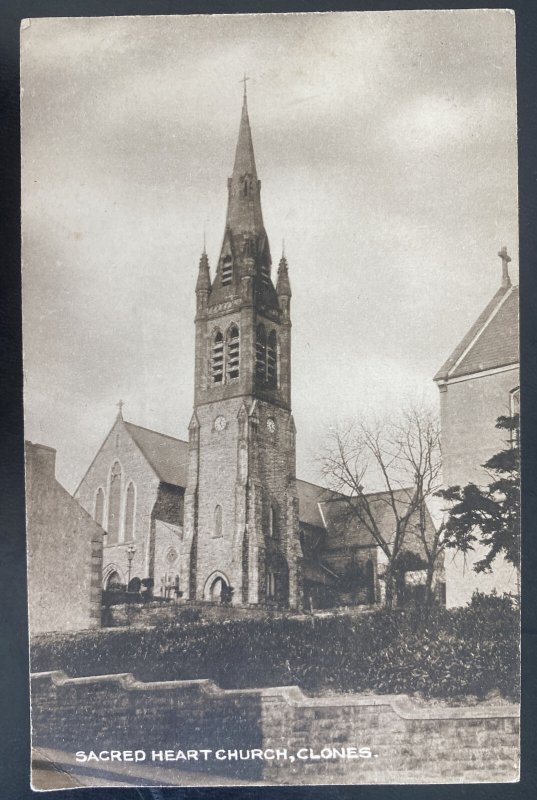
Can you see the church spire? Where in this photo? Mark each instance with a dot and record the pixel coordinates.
(244, 201)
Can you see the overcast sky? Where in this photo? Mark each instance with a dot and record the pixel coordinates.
(386, 147)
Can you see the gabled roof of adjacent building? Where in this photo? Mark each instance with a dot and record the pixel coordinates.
(491, 342)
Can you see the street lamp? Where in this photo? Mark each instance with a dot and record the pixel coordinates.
(131, 550)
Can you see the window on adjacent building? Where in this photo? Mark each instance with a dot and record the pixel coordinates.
(114, 504)
(217, 522)
(233, 353)
(99, 507)
(218, 358)
(227, 270)
(129, 513)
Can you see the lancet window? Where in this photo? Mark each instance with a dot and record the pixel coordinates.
(114, 506)
(266, 357)
(129, 513)
(233, 353)
(218, 358)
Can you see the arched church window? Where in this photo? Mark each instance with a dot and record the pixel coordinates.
(271, 583)
(272, 359)
(233, 353)
(227, 270)
(99, 507)
(218, 358)
(129, 513)
(272, 523)
(217, 532)
(114, 505)
(261, 353)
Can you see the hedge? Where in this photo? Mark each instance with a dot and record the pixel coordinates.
(453, 654)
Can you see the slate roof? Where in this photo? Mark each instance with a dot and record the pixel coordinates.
(491, 342)
(345, 529)
(168, 456)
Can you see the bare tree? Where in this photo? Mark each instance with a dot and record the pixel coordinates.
(402, 455)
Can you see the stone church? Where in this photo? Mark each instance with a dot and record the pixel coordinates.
(223, 517)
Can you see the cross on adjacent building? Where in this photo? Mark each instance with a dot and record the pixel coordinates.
(506, 258)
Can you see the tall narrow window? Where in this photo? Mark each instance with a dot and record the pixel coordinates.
(272, 359)
(271, 584)
(114, 505)
(261, 354)
(217, 532)
(233, 353)
(129, 513)
(227, 271)
(99, 507)
(271, 522)
(218, 358)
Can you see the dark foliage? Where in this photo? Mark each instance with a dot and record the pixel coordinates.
(489, 515)
(454, 653)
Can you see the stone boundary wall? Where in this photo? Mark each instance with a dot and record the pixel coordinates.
(318, 738)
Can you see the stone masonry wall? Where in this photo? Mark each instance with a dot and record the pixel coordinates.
(302, 740)
(65, 551)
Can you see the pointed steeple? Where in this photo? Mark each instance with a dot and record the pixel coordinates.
(283, 286)
(244, 202)
(204, 277)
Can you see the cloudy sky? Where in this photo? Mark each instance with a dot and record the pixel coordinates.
(386, 146)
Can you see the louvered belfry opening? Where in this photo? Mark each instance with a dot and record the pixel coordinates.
(227, 271)
(272, 356)
(218, 358)
(233, 353)
(260, 353)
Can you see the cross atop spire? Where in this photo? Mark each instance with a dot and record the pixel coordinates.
(243, 81)
(506, 258)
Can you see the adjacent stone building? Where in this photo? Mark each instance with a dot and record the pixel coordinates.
(65, 551)
(478, 383)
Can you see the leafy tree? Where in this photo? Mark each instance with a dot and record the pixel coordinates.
(489, 515)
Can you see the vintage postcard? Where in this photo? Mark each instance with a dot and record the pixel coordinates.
(271, 361)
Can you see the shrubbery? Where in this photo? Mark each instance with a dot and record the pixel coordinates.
(454, 653)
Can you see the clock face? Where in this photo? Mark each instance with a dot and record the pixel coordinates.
(220, 423)
(271, 425)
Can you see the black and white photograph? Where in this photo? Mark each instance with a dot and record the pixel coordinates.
(272, 398)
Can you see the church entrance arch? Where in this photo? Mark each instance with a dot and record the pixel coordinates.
(112, 578)
(216, 588)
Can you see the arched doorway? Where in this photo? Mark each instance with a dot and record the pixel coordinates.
(217, 588)
(113, 581)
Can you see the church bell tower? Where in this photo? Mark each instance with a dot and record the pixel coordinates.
(241, 506)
